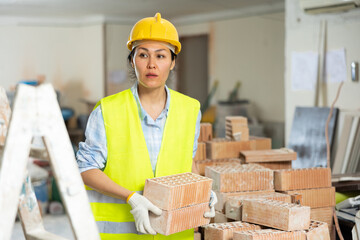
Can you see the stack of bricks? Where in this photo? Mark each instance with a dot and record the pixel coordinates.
(184, 198)
(233, 206)
(273, 159)
(314, 186)
(225, 231)
(237, 128)
(238, 180)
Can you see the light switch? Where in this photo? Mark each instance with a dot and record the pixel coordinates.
(355, 71)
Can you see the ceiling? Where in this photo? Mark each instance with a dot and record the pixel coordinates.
(128, 11)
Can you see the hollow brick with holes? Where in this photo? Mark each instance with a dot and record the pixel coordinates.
(201, 165)
(316, 197)
(177, 191)
(269, 234)
(233, 206)
(317, 231)
(225, 231)
(276, 214)
(294, 179)
(236, 178)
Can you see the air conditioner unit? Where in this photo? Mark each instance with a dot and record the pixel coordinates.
(325, 6)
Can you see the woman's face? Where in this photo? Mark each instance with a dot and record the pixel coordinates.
(152, 63)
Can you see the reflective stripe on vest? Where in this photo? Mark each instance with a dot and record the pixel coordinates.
(128, 162)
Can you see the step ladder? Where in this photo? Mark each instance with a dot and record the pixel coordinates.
(36, 112)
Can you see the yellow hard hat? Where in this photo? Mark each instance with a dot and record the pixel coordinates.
(154, 28)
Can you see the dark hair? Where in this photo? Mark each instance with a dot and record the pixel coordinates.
(131, 70)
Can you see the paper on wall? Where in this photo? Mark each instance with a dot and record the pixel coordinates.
(304, 70)
(335, 66)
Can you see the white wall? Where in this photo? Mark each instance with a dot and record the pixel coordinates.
(302, 34)
(248, 49)
(71, 58)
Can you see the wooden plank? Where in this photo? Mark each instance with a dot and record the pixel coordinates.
(15, 157)
(276, 214)
(5, 113)
(273, 155)
(293, 179)
(29, 212)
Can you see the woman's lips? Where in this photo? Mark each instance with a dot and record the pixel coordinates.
(150, 75)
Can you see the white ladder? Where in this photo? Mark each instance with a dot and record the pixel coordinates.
(36, 113)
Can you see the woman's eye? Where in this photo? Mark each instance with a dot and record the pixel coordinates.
(161, 56)
(143, 55)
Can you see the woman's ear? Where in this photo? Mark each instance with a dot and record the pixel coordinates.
(172, 66)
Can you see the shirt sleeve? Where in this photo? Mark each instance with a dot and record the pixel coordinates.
(197, 133)
(92, 153)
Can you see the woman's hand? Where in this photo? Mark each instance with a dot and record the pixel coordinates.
(212, 202)
(140, 210)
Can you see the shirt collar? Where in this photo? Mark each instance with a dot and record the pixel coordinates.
(141, 110)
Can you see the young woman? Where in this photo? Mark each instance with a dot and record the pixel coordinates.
(143, 132)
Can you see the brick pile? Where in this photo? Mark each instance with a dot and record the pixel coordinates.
(314, 186)
(236, 128)
(273, 158)
(184, 198)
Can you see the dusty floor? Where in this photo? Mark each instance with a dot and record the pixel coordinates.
(57, 224)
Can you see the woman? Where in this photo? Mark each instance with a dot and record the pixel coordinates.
(143, 132)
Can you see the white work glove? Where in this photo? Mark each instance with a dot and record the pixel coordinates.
(140, 210)
(213, 201)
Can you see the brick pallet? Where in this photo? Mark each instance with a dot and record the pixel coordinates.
(233, 206)
(276, 214)
(294, 179)
(236, 178)
(225, 231)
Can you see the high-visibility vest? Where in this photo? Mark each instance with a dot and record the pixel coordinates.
(128, 162)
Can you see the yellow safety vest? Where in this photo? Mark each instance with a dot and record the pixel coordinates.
(128, 161)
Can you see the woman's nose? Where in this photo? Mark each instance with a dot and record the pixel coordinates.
(151, 63)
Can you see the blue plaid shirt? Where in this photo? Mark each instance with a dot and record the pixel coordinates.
(92, 153)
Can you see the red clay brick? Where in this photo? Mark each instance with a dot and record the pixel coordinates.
(225, 231)
(273, 155)
(233, 206)
(181, 219)
(276, 214)
(276, 165)
(316, 197)
(177, 191)
(236, 128)
(260, 143)
(294, 179)
(236, 178)
(201, 165)
(205, 132)
(317, 231)
(223, 197)
(200, 152)
(220, 148)
(269, 234)
(324, 214)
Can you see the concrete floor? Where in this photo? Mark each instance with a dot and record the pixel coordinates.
(57, 224)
